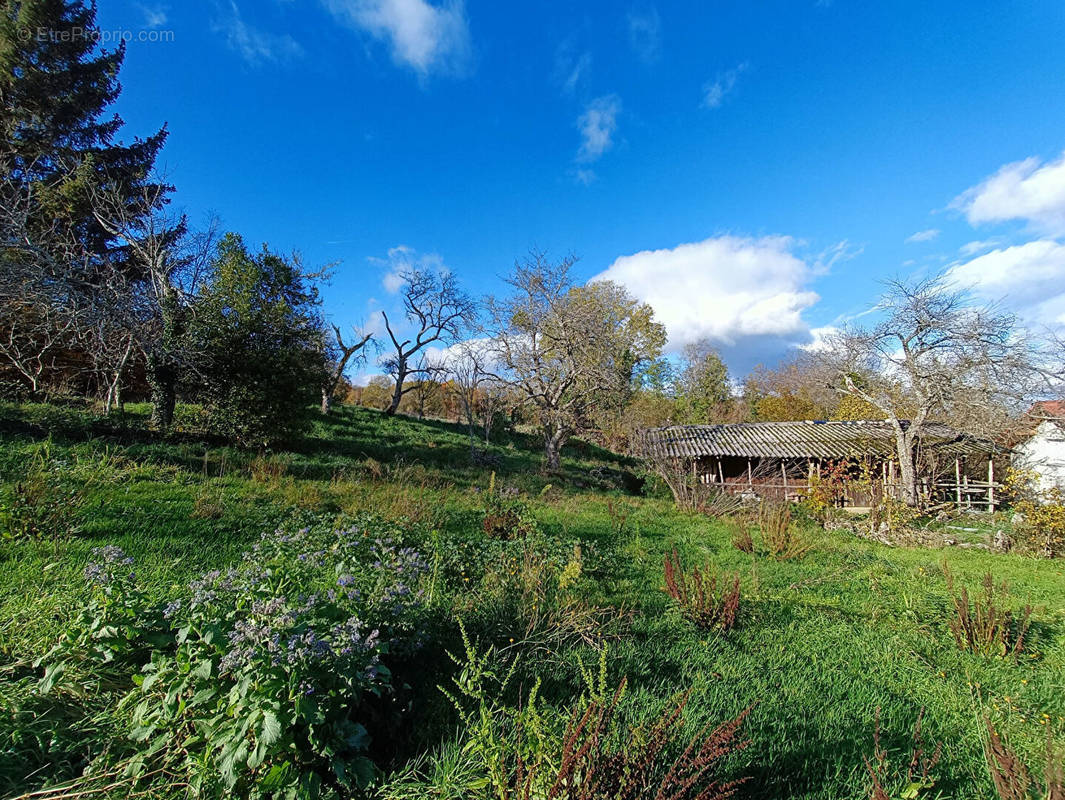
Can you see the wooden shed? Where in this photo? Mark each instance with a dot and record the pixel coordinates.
(781, 460)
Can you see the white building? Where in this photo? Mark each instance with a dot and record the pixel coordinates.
(1043, 452)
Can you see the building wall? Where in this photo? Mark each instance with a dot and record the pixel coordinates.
(1044, 453)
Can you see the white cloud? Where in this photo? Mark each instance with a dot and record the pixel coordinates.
(745, 294)
(155, 16)
(970, 248)
(834, 254)
(923, 236)
(597, 126)
(645, 33)
(400, 259)
(585, 177)
(714, 91)
(571, 69)
(255, 46)
(822, 337)
(1024, 190)
(1028, 279)
(424, 36)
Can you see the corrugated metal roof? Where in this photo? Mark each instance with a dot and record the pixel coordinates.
(809, 439)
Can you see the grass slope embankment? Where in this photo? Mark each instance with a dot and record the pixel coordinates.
(823, 641)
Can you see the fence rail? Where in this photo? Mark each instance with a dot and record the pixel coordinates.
(968, 495)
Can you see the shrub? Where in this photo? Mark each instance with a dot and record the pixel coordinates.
(1011, 776)
(259, 335)
(781, 538)
(828, 488)
(888, 778)
(894, 512)
(985, 626)
(507, 515)
(1042, 513)
(698, 597)
(255, 682)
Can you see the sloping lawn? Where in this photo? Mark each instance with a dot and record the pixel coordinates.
(825, 643)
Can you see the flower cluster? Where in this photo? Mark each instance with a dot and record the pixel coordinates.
(110, 562)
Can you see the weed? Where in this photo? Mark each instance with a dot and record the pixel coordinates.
(520, 756)
(697, 596)
(781, 538)
(619, 517)
(888, 778)
(207, 505)
(43, 504)
(741, 535)
(268, 470)
(1011, 776)
(506, 514)
(592, 766)
(986, 626)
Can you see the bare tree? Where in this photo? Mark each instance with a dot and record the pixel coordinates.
(568, 350)
(933, 354)
(167, 264)
(427, 383)
(469, 376)
(439, 312)
(42, 288)
(342, 355)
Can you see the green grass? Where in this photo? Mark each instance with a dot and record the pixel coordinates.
(823, 641)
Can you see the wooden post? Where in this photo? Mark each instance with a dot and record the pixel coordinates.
(784, 472)
(957, 482)
(991, 484)
(721, 471)
(750, 476)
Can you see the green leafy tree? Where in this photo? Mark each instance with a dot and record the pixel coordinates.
(260, 330)
(702, 388)
(573, 353)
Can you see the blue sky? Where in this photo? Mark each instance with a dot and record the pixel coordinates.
(753, 169)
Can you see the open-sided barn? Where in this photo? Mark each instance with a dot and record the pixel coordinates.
(784, 459)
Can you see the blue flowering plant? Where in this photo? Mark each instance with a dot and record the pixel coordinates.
(263, 685)
(114, 632)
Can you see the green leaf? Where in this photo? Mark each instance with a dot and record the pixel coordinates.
(51, 675)
(271, 729)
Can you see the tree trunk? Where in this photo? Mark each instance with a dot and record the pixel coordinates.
(114, 390)
(327, 399)
(907, 468)
(163, 364)
(162, 377)
(397, 393)
(553, 441)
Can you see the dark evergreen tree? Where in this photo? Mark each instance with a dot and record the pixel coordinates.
(58, 150)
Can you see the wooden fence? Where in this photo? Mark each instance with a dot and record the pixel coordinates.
(964, 493)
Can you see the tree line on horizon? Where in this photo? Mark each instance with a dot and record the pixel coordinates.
(106, 292)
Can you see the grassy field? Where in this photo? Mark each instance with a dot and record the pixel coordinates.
(823, 641)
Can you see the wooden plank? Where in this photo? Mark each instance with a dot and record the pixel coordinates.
(957, 482)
